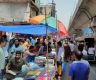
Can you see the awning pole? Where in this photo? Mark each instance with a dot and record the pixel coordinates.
(46, 24)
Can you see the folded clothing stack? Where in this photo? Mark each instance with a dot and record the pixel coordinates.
(40, 60)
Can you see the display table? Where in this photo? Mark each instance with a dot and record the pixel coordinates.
(39, 72)
(37, 75)
(44, 73)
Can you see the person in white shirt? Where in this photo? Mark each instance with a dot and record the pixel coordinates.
(60, 56)
(91, 50)
(84, 52)
(72, 46)
(60, 53)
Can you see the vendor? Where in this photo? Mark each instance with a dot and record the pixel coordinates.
(15, 65)
(42, 49)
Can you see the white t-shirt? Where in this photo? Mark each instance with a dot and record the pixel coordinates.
(91, 50)
(84, 52)
(60, 53)
(72, 46)
(5, 50)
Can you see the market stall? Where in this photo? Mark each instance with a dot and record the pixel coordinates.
(42, 68)
(43, 72)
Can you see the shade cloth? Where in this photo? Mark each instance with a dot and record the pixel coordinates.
(28, 29)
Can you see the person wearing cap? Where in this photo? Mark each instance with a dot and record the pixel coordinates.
(79, 69)
(2, 57)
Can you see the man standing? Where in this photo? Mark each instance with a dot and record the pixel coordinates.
(79, 69)
(2, 57)
(60, 56)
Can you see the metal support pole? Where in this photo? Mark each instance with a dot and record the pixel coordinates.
(47, 42)
(57, 30)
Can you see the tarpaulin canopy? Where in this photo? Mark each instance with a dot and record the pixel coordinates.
(28, 29)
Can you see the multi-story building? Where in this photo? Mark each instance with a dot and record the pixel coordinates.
(18, 10)
(50, 10)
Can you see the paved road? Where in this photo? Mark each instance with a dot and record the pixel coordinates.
(92, 75)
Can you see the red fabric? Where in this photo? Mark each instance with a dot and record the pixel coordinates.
(43, 78)
(61, 29)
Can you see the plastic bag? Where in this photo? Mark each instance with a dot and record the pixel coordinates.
(63, 67)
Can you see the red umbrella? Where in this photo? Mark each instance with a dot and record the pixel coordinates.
(61, 29)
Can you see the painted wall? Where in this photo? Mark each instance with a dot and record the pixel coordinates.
(14, 11)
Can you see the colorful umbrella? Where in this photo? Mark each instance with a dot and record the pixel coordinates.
(52, 22)
(36, 19)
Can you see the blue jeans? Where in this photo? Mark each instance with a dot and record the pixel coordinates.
(1, 74)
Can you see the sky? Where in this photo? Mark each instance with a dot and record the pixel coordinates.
(64, 8)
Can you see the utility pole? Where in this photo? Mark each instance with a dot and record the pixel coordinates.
(53, 9)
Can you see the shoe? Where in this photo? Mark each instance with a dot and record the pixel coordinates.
(59, 78)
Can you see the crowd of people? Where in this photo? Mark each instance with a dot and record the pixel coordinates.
(22, 51)
(16, 52)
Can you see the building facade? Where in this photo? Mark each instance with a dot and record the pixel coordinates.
(50, 10)
(18, 10)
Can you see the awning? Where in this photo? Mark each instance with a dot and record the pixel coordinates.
(28, 29)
